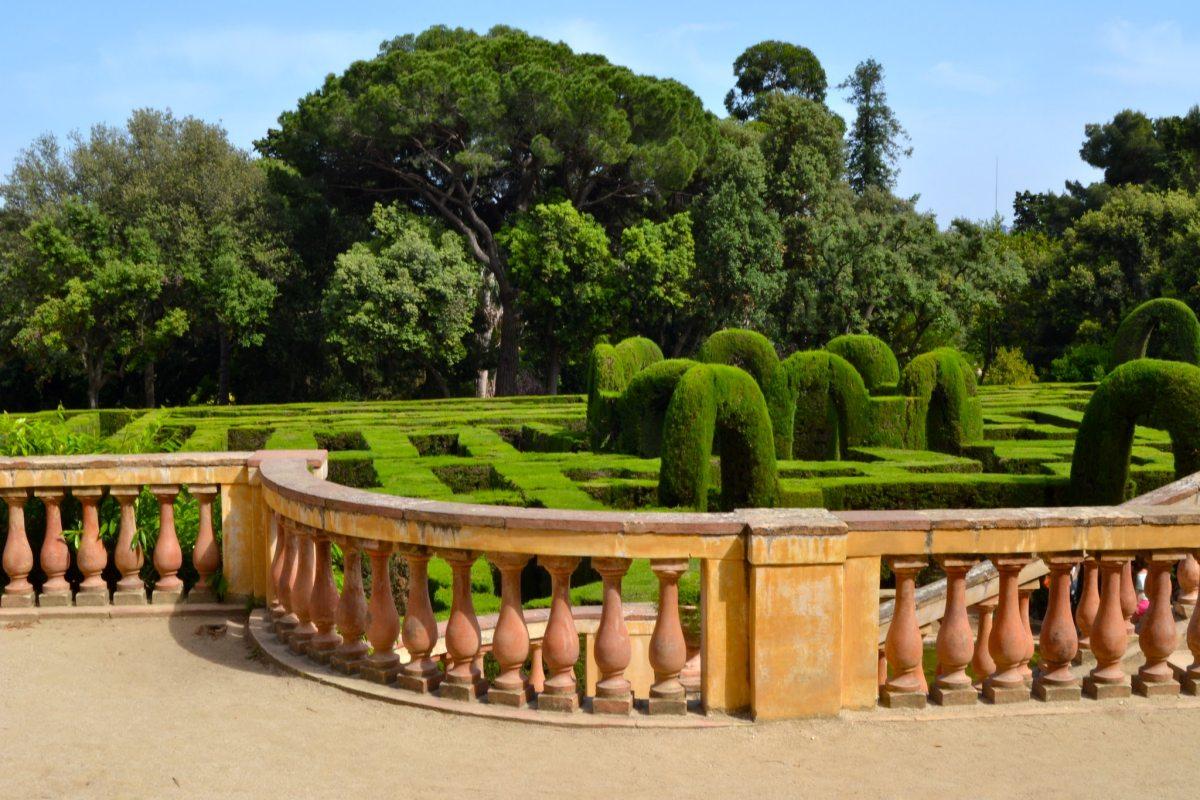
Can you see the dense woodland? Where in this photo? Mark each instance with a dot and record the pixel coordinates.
(467, 214)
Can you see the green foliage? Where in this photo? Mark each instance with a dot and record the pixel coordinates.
(643, 406)
(1163, 328)
(831, 402)
(609, 371)
(945, 378)
(1009, 368)
(754, 353)
(654, 273)
(44, 436)
(871, 356)
(875, 138)
(722, 404)
(1080, 362)
(1163, 394)
(769, 67)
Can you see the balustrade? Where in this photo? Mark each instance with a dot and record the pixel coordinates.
(1190, 678)
(383, 622)
(1109, 636)
(351, 610)
(324, 603)
(904, 647)
(1089, 602)
(668, 649)
(510, 640)
(302, 590)
(131, 589)
(18, 555)
(287, 577)
(614, 693)
(168, 556)
(464, 679)
(955, 645)
(560, 643)
(1059, 642)
(1008, 644)
(206, 557)
(55, 555)
(1158, 637)
(981, 661)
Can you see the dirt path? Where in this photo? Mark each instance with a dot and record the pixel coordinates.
(152, 709)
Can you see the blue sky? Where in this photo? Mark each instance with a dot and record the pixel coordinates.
(972, 82)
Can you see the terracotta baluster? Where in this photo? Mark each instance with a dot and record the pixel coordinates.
(1089, 602)
(18, 555)
(612, 648)
(1158, 637)
(1129, 601)
(323, 603)
(1188, 575)
(275, 606)
(955, 644)
(302, 590)
(420, 632)
(351, 610)
(55, 555)
(91, 557)
(463, 681)
(510, 641)
(537, 670)
(168, 557)
(904, 647)
(128, 556)
(1190, 678)
(291, 563)
(383, 622)
(560, 643)
(981, 662)
(1109, 637)
(881, 669)
(1027, 629)
(1007, 643)
(1059, 642)
(668, 648)
(206, 556)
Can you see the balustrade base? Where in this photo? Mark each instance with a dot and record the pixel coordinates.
(615, 706)
(132, 597)
(23, 600)
(563, 703)
(1004, 695)
(91, 598)
(201, 596)
(54, 599)
(1056, 693)
(346, 666)
(321, 656)
(1189, 685)
(166, 596)
(965, 696)
(1105, 691)
(463, 692)
(513, 698)
(298, 642)
(282, 628)
(893, 699)
(421, 684)
(665, 705)
(378, 674)
(1145, 688)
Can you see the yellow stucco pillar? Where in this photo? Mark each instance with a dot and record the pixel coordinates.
(725, 634)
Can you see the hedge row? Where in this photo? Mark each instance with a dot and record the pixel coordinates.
(754, 353)
(945, 378)
(871, 356)
(1163, 328)
(609, 371)
(831, 406)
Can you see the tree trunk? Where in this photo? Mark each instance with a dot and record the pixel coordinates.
(481, 383)
(510, 331)
(94, 383)
(553, 371)
(223, 367)
(148, 385)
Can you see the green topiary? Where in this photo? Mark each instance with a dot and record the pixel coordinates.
(1161, 394)
(945, 378)
(871, 356)
(1009, 368)
(1170, 322)
(722, 403)
(609, 371)
(831, 402)
(643, 406)
(754, 353)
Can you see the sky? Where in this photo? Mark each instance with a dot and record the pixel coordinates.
(985, 90)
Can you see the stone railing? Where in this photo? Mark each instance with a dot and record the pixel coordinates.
(789, 598)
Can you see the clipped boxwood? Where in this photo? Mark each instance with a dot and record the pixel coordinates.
(1161, 394)
(831, 402)
(945, 378)
(754, 353)
(871, 356)
(897, 421)
(1170, 323)
(610, 369)
(643, 406)
(716, 402)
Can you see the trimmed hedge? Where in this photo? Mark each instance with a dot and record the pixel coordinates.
(754, 353)
(945, 379)
(1172, 325)
(831, 401)
(871, 356)
(716, 402)
(643, 406)
(1161, 394)
(609, 371)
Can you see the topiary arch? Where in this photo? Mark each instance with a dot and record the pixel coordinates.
(831, 402)
(1161, 394)
(643, 406)
(715, 402)
(1171, 324)
(871, 356)
(754, 353)
(944, 378)
(609, 371)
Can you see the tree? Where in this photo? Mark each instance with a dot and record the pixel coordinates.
(399, 305)
(654, 272)
(769, 67)
(876, 136)
(478, 128)
(1126, 148)
(1051, 213)
(559, 260)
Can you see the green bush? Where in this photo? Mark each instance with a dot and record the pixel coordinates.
(609, 371)
(1080, 362)
(643, 406)
(1009, 368)
(1161, 394)
(1170, 323)
(831, 402)
(754, 353)
(715, 402)
(945, 378)
(871, 356)
(897, 421)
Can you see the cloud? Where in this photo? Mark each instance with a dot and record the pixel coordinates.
(1157, 54)
(952, 76)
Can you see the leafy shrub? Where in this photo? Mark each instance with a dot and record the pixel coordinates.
(238, 439)
(944, 377)
(1009, 368)
(341, 440)
(831, 402)
(1161, 394)
(609, 371)
(643, 406)
(754, 353)
(716, 402)
(1080, 362)
(871, 356)
(1163, 328)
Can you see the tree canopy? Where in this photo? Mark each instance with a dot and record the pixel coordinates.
(773, 66)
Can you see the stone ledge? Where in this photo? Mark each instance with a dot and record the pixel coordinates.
(37, 613)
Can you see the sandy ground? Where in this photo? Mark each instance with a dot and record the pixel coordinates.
(155, 708)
